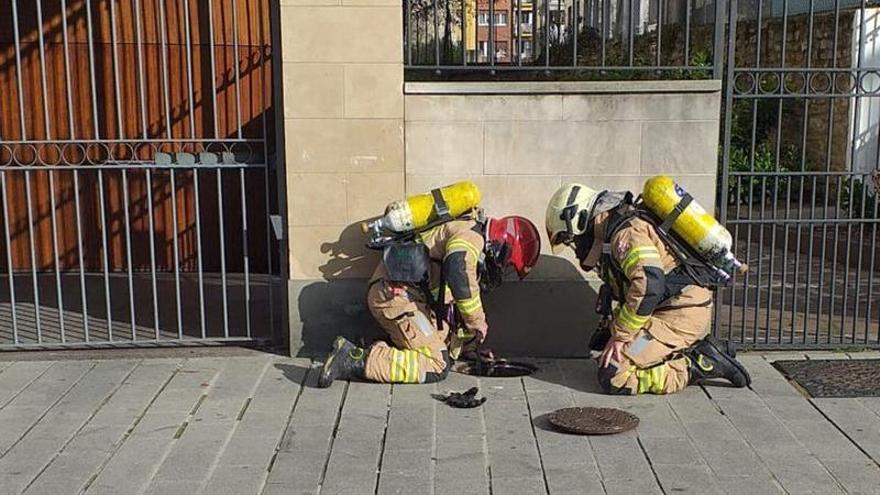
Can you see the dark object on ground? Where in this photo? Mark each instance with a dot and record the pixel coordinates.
(834, 378)
(465, 400)
(592, 420)
(707, 361)
(498, 368)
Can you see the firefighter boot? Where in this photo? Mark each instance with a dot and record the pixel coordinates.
(706, 361)
(345, 361)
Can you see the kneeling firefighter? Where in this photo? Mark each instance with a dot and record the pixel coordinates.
(659, 257)
(439, 255)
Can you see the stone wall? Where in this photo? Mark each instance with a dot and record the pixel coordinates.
(355, 141)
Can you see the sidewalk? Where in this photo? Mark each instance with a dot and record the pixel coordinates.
(256, 424)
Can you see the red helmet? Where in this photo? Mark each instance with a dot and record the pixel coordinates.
(522, 241)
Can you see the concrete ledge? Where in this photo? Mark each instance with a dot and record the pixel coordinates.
(561, 87)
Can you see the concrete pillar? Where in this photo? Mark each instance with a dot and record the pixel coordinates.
(343, 117)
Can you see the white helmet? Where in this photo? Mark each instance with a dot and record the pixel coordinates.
(568, 214)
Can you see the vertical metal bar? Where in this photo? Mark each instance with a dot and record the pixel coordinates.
(604, 8)
(851, 180)
(44, 88)
(140, 63)
(630, 31)
(213, 64)
(519, 33)
(167, 91)
(761, 226)
(176, 254)
(717, 51)
(660, 31)
(79, 232)
(97, 129)
(199, 250)
(799, 231)
(777, 168)
(464, 18)
(116, 78)
(152, 230)
(244, 250)
(106, 256)
(829, 141)
(873, 252)
(861, 246)
(189, 70)
(237, 68)
(30, 229)
(44, 85)
(576, 23)
(125, 200)
(832, 298)
(687, 34)
(546, 32)
(18, 76)
(808, 290)
(79, 244)
(9, 267)
(437, 34)
(222, 253)
(725, 156)
(491, 31)
(53, 220)
(784, 261)
(69, 92)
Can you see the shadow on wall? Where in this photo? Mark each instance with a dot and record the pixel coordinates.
(551, 317)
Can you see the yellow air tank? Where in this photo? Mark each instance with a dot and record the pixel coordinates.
(695, 225)
(418, 211)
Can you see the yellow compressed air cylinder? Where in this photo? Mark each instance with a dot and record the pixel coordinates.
(418, 211)
(694, 225)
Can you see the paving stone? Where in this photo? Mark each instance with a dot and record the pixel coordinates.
(517, 486)
(826, 355)
(641, 485)
(236, 480)
(302, 469)
(861, 477)
(857, 421)
(749, 485)
(620, 457)
(687, 479)
(404, 485)
(673, 451)
(19, 375)
(574, 480)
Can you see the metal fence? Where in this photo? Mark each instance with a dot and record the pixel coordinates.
(800, 174)
(135, 146)
(609, 39)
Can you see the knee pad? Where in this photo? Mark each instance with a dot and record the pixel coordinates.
(605, 375)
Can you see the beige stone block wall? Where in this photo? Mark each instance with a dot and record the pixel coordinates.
(519, 142)
(342, 72)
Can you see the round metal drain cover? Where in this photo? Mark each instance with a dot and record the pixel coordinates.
(495, 369)
(593, 420)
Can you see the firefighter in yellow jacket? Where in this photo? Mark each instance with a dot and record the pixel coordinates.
(659, 329)
(465, 258)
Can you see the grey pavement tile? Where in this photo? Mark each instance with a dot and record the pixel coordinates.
(620, 457)
(638, 484)
(858, 422)
(301, 468)
(407, 463)
(672, 451)
(815, 355)
(862, 477)
(687, 479)
(574, 479)
(405, 485)
(236, 480)
(749, 485)
(19, 375)
(518, 486)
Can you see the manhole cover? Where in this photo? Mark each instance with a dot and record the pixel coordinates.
(495, 369)
(593, 420)
(834, 378)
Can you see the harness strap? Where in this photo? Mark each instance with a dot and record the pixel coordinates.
(440, 206)
(676, 212)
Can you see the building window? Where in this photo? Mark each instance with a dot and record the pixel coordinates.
(483, 51)
(501, 52)
(483, 18)
(500, 18)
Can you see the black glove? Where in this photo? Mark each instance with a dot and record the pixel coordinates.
(601, 336)
(465, 400)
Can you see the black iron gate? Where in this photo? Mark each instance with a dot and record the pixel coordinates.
(136, 177)
(800, 175)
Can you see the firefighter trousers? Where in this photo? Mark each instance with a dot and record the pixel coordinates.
(653, 361)
(417, 351)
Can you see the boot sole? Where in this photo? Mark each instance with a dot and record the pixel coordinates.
(323, 381)
(732, 361)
